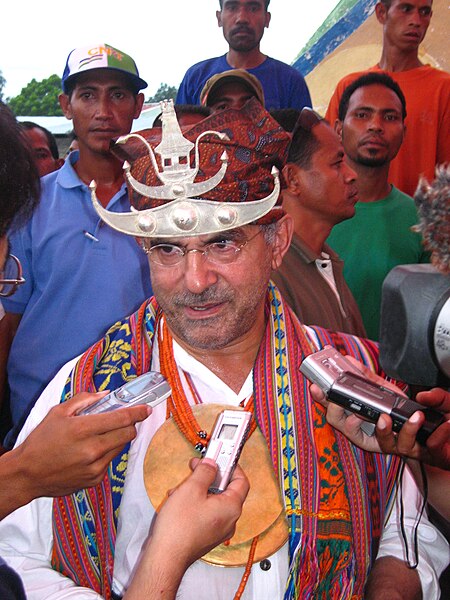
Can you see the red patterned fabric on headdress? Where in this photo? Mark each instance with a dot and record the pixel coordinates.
(256, 143)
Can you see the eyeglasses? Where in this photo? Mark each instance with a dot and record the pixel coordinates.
(10, 276)
(223, 252)
(307, 119)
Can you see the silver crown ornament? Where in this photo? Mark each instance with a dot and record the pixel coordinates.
(184, 214)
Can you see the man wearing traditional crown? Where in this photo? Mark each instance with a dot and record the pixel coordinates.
(322, 518)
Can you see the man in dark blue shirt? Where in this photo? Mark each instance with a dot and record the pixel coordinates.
(243, 23)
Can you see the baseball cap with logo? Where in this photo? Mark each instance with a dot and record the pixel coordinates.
(101, 56)
(213, 84)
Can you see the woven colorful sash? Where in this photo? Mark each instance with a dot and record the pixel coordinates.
(335, 495)
(84, 523)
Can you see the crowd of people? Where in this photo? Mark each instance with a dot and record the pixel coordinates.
(240, 234)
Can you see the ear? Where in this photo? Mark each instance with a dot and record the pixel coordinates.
(219, 17)
(282, 240)
(267, 21)
(139, 104)
(59, 163)
(292, 177)
(381, 12)
(64, 103)
(338, 127)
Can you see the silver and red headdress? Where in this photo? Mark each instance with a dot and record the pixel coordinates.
(220, 174)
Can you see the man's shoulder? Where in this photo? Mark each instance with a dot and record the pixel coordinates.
(351, 77)
(59, 188)
(442, 75)
(281, 71)
(284, 86)
(361, 348)
(395, 208)
(403, 203)
(196, 76)
(440, 82)
(428, 71)
(425, 71)
(44, 208)
(333, 105)
(279, 65)
(397, 194)
(217, 64)
(64, 177)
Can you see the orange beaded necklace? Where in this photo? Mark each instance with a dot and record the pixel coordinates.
(179, 408)
(177, 404)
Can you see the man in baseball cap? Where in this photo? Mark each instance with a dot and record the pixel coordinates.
(231, 89)
(100, 56)
(60, 299)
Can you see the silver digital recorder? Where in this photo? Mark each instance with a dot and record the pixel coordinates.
(150, 388)
(345, 386)
(226, 443)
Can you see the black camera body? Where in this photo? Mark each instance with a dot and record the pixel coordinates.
(415, 326)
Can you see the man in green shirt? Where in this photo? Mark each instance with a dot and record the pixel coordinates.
(372, 111)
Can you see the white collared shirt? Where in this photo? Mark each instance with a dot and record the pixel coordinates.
(26, 535)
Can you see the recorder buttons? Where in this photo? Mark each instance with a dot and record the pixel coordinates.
(354, 406)
(122, 394)
(215, 447)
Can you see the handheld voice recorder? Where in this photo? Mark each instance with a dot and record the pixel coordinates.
(348, 388)
(324, 367)
(226, 443)
(150, 388)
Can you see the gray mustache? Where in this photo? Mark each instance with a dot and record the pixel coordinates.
(209, 296)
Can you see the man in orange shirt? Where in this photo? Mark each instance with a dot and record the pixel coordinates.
(426, 89)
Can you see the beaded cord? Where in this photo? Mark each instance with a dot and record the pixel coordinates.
(248, 568)
(179, 407)
(177, 403)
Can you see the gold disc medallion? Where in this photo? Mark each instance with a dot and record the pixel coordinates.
(166, 465)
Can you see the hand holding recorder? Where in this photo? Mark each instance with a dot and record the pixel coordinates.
(373, 399)
(84, 447)
(226, 443)
(437, 449)
(150, 388)
(189, 524)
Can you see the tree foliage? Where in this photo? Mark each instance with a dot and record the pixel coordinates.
(2, 85)
(38, 98)
(164, 92)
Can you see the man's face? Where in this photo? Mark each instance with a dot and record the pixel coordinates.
(211, 306)
(102, 108)
(405, 22)
(42, 155)
(327, 188)
(373, 128)
(229, 95)
(243, 23)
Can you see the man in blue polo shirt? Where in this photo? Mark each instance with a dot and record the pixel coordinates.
(243, 23)
(80, 276)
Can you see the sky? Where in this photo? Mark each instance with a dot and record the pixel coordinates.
(164, 37)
